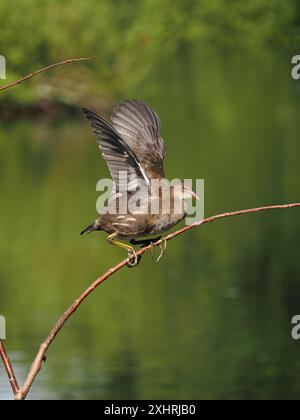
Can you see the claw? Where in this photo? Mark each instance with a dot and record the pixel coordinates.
(134, 259)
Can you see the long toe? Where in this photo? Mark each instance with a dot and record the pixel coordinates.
(163, 247)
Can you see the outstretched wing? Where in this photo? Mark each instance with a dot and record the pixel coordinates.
(140, 129)
(118, 155)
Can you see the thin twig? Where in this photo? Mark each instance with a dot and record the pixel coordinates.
(20, 394)
(38, 362)
(9, 369)
(61, 63)
(6, 361)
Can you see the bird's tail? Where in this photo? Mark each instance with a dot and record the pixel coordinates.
(90, 228)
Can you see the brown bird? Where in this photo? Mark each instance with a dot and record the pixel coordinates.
(134, 151)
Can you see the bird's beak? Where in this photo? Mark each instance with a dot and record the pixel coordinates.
(195, 196)
(189, 193)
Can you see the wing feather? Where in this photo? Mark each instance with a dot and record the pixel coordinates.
(118, 154)
(140, 129)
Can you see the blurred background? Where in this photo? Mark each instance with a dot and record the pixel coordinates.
(212, 320)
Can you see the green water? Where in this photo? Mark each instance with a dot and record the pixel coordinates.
(213, 318)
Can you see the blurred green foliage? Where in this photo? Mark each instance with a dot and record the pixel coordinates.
(129, 38)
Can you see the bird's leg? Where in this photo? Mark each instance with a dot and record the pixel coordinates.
(134, 259)
(163, 247)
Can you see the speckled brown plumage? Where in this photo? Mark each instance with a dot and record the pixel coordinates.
(132, 143)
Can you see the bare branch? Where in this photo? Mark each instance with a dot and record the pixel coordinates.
(9, 369)
(6, 361)
(21, 393)
(38, 362)
(61, 63)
